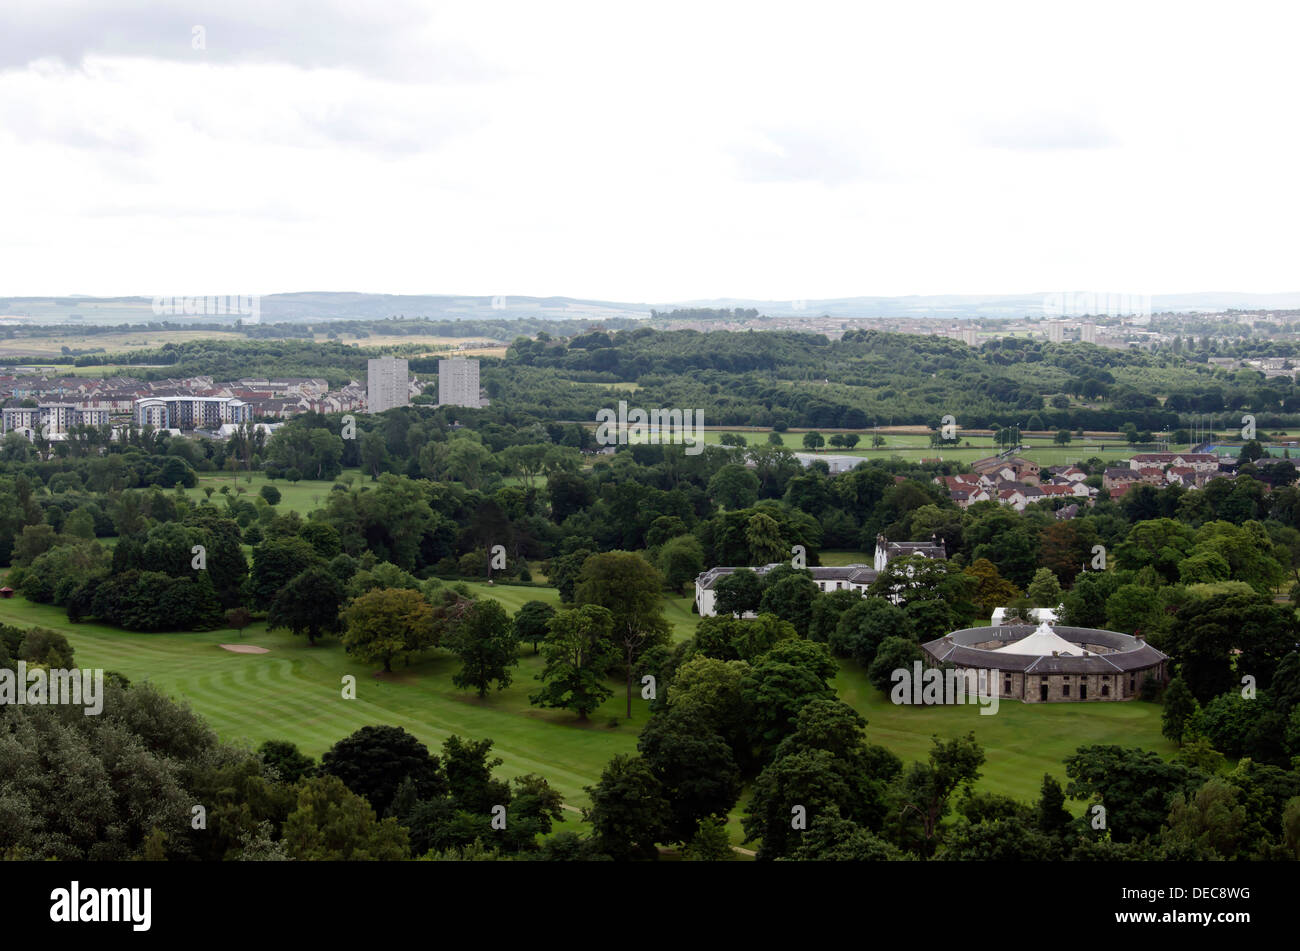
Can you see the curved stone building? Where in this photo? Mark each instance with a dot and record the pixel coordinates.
(1046, 664)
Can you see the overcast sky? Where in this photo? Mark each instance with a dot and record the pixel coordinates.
(646, 152)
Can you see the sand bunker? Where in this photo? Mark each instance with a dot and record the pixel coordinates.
(245, 649)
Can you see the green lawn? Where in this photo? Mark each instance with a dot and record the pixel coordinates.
(302, 496)
(1022, 741)
(293, 693)
(916, 446)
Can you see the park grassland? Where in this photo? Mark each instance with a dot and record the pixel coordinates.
(294, 693)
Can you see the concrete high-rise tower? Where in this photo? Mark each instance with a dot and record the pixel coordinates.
(458, 382)
(386, 384)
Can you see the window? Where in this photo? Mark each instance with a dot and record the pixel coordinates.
(1065, 689)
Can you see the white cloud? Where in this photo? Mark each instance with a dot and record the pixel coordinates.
(657, 153)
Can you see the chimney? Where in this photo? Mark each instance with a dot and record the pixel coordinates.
(1054, 654)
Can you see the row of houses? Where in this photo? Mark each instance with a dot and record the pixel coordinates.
(1017, 482)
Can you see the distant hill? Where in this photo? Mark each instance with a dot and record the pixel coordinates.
(323, 305)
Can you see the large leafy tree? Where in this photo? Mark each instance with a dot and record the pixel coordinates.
(791, 598)
(779, 684)
(389, 622)
(921, 794)
(1179, 706)
(531, 621)
(738, 593)
(578, 650)
(486, 645)
(629, 812)
(309, 604)
(992, 590)
(863, 627)
(276, 562)
(629, 587)
(680, 560)
(698, 772)
(374, 761)
(331, 823)
(1136, 787)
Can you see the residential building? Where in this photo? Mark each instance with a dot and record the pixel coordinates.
(386, 384)
(190, 412)
(458, 383)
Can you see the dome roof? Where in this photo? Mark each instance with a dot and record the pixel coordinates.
(1042, 642)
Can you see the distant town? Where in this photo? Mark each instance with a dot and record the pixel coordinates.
(51, 407)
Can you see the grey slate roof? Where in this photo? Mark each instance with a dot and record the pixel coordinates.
(1126, 653)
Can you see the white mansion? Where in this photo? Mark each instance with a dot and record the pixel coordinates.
(839, 578)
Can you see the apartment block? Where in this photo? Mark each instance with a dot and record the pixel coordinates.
(458, 382)
(386, 384)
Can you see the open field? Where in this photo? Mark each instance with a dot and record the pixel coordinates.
(38, 346)
(916, 447)
(301, 497)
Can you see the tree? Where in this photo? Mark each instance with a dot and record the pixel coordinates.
(331, 823)
(993, 590)
(239, 618)
(629, 587)
(1062, 437)
(564, 571)
(791, 598)
(1044, 591)
(531, 620)
(1210, 821)
(729, 638)
(714, 691)
(374, 761)
(486, 645)
(309, 604)
(578, 649)
(1179, 707)
(778, 686)
(389, 622)
(1135, 786)
(863, 627)
(276, 562)
(894, 653)
(813, 441)
(680, 561)
(710, 842)
(922, 792)
(270, 493)
(1052, 817)
(734, 487)
(628, 811)
(764, 538)
(738, 593)
(695, 766)
(290, 763)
